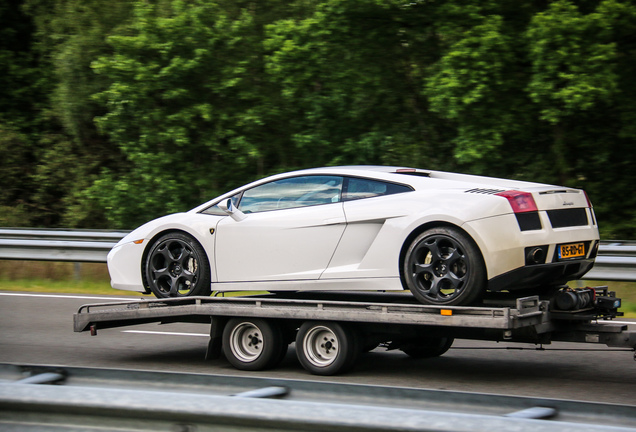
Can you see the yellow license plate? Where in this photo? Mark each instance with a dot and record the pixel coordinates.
(572, 250)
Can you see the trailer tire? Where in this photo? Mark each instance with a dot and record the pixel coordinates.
(253, 343)
(327, 348)
(427, 347)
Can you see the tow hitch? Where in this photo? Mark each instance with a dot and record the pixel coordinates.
(586, 303)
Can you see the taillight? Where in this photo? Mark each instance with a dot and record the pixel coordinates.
(589, 203)
(521, 202)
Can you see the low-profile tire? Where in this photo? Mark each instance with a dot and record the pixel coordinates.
(443, 266)
(177, 266)
(252, 343)
(427, 347)
(327, 348)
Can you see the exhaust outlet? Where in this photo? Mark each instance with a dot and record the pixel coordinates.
(535, 255)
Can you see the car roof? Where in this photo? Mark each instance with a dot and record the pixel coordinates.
(419, 179)
(372, 171)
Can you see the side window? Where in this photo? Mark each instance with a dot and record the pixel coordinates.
(291, 193)
(357, 188)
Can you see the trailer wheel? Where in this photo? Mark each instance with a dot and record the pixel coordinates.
(252, 343)
(326, 348)
(427, 347)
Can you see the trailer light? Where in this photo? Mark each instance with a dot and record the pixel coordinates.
(521, 202)
(138, 241)
(446, 312)
(606, 302)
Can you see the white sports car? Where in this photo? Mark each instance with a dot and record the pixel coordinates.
(448, 238)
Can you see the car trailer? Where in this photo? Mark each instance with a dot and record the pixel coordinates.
(331, 329)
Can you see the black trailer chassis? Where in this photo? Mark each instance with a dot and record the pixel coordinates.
(331, 329)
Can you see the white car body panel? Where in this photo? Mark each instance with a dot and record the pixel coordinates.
(356, 244)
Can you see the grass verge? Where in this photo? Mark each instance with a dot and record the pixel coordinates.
(62, 287)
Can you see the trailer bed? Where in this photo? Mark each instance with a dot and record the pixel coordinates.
(349, 307)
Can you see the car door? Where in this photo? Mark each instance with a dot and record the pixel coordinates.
(291, 230)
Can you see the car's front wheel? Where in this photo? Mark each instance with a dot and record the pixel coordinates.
(177, 266)
(443, 266)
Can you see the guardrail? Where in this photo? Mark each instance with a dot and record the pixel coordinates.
(57, 245)
(105, 400)
(616, 260)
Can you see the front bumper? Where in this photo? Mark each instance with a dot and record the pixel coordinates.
(124, 266)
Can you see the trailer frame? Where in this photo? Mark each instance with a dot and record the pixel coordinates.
(332, 329)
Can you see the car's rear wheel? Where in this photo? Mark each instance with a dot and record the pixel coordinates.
(443, 266)
(177, 266)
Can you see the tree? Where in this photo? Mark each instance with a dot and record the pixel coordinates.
(187, 104)
(22, 90)
(572, 72)
(579, 82)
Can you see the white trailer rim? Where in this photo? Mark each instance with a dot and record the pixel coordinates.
(321, 346)
(246, 342)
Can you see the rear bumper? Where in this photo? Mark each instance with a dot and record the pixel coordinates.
(533, 276)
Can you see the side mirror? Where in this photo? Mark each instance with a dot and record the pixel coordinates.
(233, 212)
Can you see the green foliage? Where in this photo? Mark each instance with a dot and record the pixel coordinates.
(349, 81)
(113, 113)
(185, 105)
(573, 65)
(470, 85)
(20, 88)
(16, 164)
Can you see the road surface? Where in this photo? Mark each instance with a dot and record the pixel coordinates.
(38, 329)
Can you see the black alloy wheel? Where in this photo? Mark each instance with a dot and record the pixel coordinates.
(177, 266)
(443, 266)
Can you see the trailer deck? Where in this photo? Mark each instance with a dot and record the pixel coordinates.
(361, 308)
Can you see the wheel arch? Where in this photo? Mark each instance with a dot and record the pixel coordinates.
(419, 230)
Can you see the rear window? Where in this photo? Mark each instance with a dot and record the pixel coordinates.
(358, 188)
